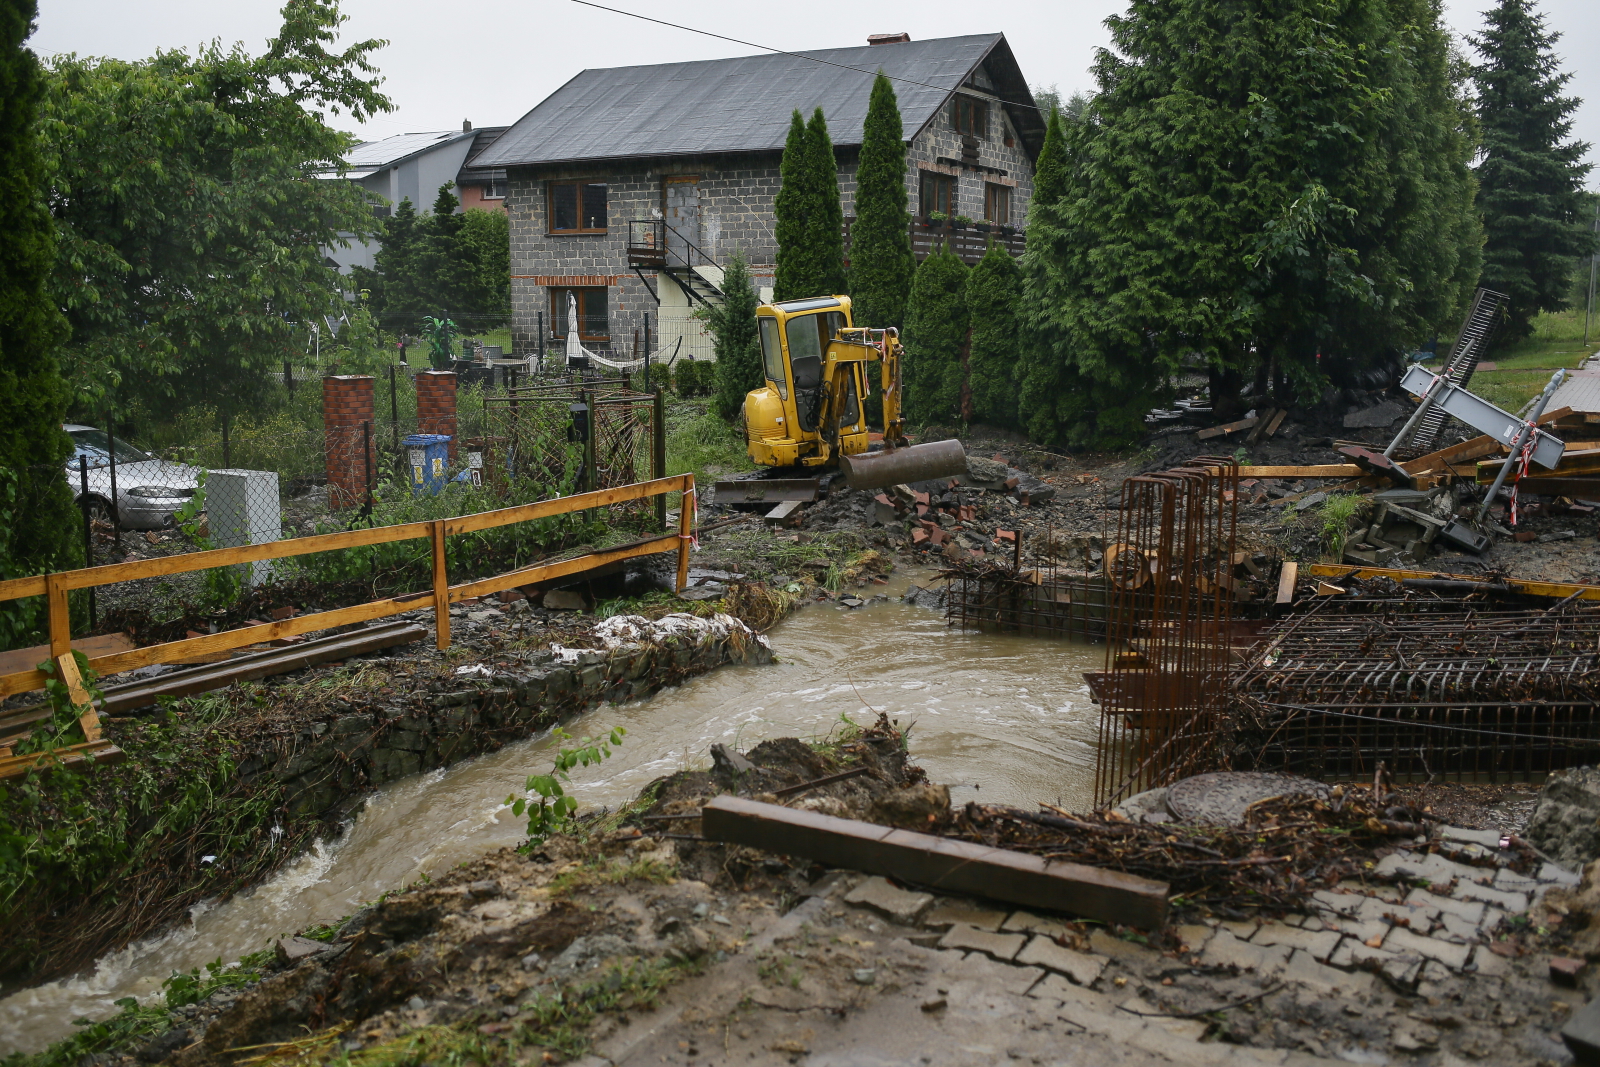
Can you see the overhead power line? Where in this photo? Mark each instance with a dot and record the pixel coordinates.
(782, 52)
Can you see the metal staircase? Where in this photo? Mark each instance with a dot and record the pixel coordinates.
(1476, 332)
(654, 245)
(695, 283)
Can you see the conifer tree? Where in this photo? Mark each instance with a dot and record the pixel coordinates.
(881, 264)
(994, 289)
(1050, 173)
(790, 209)
(826, 225)
(36, 528)
(735, 341)
(1530, 181)
(936, 340)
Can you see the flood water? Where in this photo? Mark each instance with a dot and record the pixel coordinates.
(1000, 719)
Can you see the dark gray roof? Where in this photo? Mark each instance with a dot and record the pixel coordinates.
(485, 136)
(744, 104)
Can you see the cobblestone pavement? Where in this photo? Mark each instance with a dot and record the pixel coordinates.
(1387, 972)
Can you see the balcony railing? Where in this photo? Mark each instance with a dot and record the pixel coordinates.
(969, 243)
(653, 244)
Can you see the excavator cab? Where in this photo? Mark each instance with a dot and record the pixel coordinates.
(810, 412)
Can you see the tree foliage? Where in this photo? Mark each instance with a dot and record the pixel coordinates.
(881, 265)
(808, 216)
(734, 339)
(443, 264)
(190, 214)
(936, 340)
(1530, 180)
(35, 504)
(1253, 184)
(994, 291)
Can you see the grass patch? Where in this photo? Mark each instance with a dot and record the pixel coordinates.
(609, 871)
(699, 442)
(1523, 367)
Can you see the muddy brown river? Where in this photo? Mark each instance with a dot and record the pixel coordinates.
(1002, 719)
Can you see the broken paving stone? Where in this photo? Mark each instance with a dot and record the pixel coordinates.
(1000, 946)
(1225, 950)
(1026, 922)
(1408, 943)
(898, 904)
(291, 950)
(948, 913)
(1318, 945)
(865, 975)
(1081, 967)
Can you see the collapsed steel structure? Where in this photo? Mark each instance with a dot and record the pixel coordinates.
(1430, 688)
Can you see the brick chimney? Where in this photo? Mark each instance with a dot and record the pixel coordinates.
(889, 38)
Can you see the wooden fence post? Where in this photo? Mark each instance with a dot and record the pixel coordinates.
(441, 587)
(685, 530)
(55, 594)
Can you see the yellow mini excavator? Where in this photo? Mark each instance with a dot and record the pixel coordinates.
(809, 416)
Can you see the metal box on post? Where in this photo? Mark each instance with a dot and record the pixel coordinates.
(242, 509)
(429, 456)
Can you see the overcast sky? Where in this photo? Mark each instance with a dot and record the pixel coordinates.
(492, 62)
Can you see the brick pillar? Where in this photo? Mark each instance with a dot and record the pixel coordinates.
(346, 404)
(436, 404)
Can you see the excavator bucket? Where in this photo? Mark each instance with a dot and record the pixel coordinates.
(896, 466)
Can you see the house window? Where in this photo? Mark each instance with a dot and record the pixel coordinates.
(495, 189)
(592, 320)
(997, 203)
(577, 207)
(969, 115)
(938, 194)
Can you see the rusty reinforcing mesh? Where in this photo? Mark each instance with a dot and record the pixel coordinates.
(1171, 583)
(1429, 690)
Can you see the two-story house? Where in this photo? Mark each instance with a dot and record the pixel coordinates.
(412, 166)
(628, 188)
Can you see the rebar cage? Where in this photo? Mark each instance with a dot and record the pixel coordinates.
(1431, 690)
(1171, 585)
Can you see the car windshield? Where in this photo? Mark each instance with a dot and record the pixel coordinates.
(95, 444)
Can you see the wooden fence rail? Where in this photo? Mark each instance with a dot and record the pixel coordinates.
(54, 587)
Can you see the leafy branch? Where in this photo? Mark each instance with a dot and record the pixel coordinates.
(550, 807)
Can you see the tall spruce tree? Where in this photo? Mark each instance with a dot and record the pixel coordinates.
(881, 264)
(1308, 196)
(1530, 180)
(734, 339)
(35, 504)
(994, 291)
(936, 340)
(790, 210)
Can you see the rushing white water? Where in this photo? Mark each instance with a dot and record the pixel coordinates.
(1004, 719)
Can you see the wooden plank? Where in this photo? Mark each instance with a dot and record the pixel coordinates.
(222, 557)
(1558, 590)
(486, 520)
(785, 514)
(1574, 461)
(938, 862)
(1261, 427)
(1225, 429)
(687, 505)
(22, 659)
(67, 756)
(79, 695)
(1584, 486)
(546, 571)
(1286, 580)
(441, 588)
(1321, 470)
(60, 620)
(15, 588)
(1277, 421)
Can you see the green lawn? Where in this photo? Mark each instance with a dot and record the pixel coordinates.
(1523, 368)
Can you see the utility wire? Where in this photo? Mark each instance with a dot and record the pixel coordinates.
(781, 52)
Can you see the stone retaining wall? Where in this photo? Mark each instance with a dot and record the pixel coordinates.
(325, 764)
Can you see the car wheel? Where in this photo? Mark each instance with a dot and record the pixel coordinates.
(101, 513)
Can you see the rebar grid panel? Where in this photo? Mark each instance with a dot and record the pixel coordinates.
(1464, 694)
(1171, 584)
(1050, 598)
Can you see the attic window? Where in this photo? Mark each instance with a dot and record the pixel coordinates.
(577, 207)
(969, 115)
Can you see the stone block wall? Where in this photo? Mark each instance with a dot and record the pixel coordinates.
(939, 140)
(436, 404)
(326, 764)
(346, 406)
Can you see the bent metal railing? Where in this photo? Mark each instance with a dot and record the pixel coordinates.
(55, 587)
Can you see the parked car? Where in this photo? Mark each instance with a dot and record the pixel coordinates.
(149, 490)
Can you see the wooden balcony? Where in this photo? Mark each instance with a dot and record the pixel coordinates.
(969, 243)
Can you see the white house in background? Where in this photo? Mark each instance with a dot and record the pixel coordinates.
(412, 166)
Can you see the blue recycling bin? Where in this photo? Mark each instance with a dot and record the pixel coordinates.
(429, 456)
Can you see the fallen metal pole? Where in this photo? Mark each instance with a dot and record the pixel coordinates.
(1516, 443)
